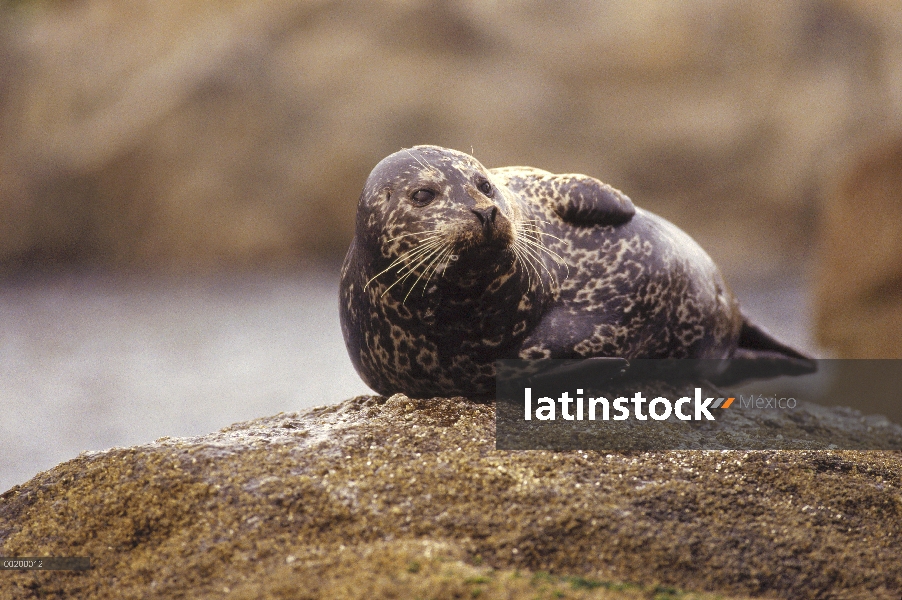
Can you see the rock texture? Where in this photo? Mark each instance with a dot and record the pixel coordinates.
(387, 498)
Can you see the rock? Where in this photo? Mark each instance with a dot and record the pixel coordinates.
(388, 498)
(859, 281)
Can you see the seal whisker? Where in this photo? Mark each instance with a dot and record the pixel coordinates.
(537, 257)
(529, 251)
(525, 258)
(407, 150)
(527, 263)
(533, 230)
(370, 280)
(447, 254)
(430, 269)
(431, 256)
(547, 234)
(409, 254)
(532, 257)
(410, 269)
(519, 260)
(413, 257)
(420, 247)
(432, 231)
(554, 256)
(537, 244)
(417, 250)
(535, 221)
(425, 165)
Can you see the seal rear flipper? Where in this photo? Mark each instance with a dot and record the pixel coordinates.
(761, 356)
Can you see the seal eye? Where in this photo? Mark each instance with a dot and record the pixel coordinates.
(422, 197)
(486, 188)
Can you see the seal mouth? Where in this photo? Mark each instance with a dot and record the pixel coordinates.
(491, 231)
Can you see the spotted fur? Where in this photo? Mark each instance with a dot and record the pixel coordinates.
(432, 294)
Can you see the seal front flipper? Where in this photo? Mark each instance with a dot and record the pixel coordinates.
(583, 200)
(577, 199)
(761, 356)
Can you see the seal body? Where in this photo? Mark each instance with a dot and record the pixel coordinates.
(454, 266)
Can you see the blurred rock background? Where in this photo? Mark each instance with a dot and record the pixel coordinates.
(198, 135)
(197, 138)
(859, 279)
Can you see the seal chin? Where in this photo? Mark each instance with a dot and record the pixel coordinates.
(486, 253)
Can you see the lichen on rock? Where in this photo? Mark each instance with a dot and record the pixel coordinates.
(396, 497)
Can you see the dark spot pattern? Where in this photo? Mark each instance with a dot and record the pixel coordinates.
(432, 295)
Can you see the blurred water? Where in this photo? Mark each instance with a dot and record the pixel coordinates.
(87, 363)
(90, 362)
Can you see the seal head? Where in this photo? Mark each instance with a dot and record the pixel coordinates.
(431, 290)
(428, 194)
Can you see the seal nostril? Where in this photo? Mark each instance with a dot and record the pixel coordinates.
(486, 216)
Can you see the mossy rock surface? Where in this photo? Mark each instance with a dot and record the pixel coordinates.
(398, 498)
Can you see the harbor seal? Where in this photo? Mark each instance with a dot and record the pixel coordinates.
(454, 266)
